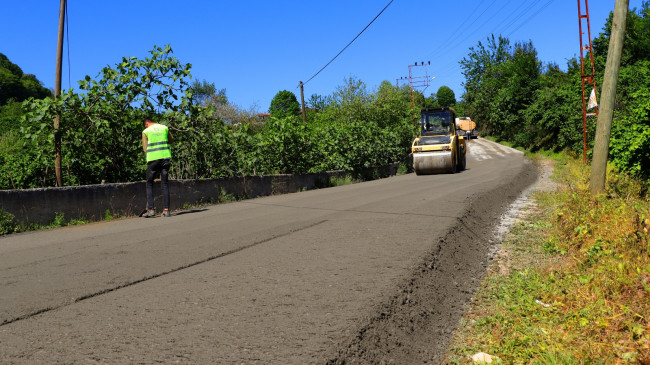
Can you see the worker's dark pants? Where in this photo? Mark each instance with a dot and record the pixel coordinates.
(158, 167)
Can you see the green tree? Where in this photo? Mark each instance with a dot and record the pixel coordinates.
(284, 104)
(353, 91)
(630, 139)
(202, 91)
(500, 84)
(101, 127)
(317, 102)
(481, 68)
(17, 86)
(519, 78)
(431, 101)
(359, 129)
(637, 39)
(10, 116)
(553, 121)
(446, 96)
(349, 101)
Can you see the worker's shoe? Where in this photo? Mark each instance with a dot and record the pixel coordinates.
(165, 213)
(149, 213)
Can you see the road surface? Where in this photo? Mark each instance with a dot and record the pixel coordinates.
(376, 272)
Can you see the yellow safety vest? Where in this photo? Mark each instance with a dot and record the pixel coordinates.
(157, 142)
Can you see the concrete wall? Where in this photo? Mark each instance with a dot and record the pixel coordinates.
(91, 202)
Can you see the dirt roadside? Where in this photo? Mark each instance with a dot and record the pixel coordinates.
(416, 324)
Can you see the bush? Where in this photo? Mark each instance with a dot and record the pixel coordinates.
(8, 223)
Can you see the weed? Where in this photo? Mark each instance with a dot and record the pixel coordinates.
(578, 289)
(339, 181)
(8, 223)
(225, 197)
(59, 220)
(402, 169)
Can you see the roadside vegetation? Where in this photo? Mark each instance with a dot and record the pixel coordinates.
(8, 223)
(571, 284)
(513, 97)
(101, 126)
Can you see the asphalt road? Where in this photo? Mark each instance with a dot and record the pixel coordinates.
(365, 273)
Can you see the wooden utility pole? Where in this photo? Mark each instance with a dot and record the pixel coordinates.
(608, 96)
(57, 92)
(302, 101)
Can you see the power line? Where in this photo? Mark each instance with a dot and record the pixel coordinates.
(355, 38)
(519, 16)
(532, 16)
(462, 26)
(464, 36)
(517, 21)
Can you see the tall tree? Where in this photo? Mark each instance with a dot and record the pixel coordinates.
(482, 68)
(352, 92)
(284, 104)
(202, 91)
(317, 102)
(637, 38)
(446, 96)
(519, 78)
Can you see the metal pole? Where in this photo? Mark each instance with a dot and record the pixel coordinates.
(590, 78)
(57, 92)
(604, 125)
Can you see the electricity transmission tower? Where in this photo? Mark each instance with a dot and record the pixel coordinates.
(589, 99)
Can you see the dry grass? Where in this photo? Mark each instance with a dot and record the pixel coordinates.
(572, 282)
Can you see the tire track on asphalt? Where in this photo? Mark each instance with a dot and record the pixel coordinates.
(400, 214)
(150, 277)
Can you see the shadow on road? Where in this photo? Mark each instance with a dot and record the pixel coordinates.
(191, 211)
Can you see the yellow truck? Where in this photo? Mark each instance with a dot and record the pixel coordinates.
(438, 148)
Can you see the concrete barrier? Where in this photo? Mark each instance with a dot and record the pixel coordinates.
(92, 202)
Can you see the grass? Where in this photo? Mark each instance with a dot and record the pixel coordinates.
(571, 284)
(402, 169)
(8, 223)
(340, 181)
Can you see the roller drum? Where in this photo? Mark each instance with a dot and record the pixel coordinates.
(433, 162)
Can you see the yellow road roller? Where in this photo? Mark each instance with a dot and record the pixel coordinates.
(438, 148)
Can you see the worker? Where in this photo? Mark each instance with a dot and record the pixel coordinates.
(155, 144)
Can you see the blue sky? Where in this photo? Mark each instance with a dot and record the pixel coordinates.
(254, 49)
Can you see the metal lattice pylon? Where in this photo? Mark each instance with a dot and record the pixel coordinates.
(419, 80)
(588, 79)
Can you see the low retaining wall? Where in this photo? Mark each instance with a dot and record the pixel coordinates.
(91, 202)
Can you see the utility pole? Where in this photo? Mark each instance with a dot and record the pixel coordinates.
(57, 92)
(302, 101)
(608, 96)
(417, 81)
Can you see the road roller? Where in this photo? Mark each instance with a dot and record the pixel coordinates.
(438, 148)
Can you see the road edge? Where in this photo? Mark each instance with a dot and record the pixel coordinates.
(416, 324)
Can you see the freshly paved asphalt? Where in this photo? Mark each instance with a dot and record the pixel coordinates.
(280, 279)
